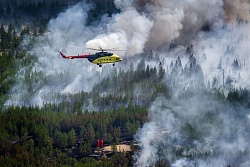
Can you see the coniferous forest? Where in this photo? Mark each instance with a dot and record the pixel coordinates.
(64, 130)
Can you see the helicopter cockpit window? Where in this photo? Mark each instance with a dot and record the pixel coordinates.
(117, 58)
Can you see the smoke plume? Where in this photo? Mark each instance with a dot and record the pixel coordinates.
(128, 30)
(200, 130)
(237, 10)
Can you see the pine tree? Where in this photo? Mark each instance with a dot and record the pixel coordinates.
(71, 138)
(90, 132)
(161, 71)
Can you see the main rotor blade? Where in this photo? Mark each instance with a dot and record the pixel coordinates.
(116, 49)
(95, 49)
(113, 49)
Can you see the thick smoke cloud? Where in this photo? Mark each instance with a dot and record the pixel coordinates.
(237, 10)
(146, 25)
(154, 24)
(178, 21)
(128, 30)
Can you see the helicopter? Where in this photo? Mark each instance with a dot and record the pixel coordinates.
(99, 58)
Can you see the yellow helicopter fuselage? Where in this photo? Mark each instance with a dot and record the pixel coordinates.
(107, 59)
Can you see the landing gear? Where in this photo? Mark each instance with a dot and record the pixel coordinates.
(99, 64)
(114, 64)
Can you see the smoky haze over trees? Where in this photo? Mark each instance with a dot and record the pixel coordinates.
(37, 9)
(181, 92)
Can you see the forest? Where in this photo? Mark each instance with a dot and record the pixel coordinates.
(58, 134)
(46, 9)
(65, 133)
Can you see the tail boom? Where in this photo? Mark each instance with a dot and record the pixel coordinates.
(74, 57)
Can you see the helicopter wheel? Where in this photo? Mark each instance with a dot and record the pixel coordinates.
(100, 65)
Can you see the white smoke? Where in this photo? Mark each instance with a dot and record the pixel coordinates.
(210, 131)
(178, 21)
(221, 49)
(196, 131)
(154, 24)
(148, 150)
(128, 30)
(59, 75)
